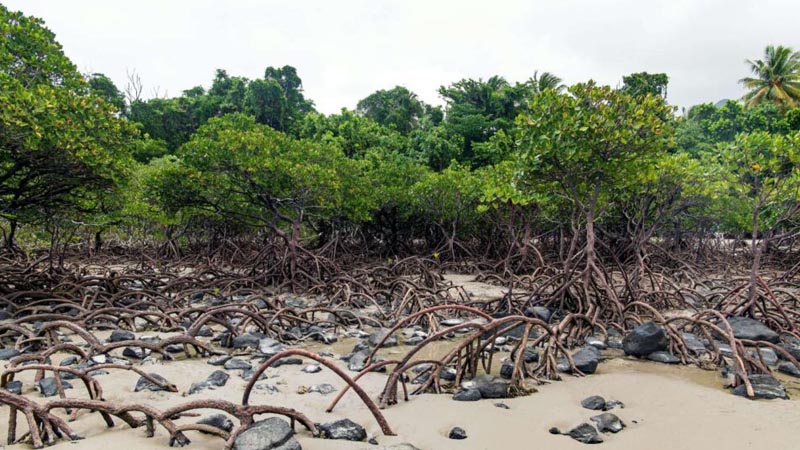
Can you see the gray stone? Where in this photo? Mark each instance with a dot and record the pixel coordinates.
(769, 356)
(8, 353)
(375, 338)
(488, 385)
(595, 403)
(205, 331)
(608, 422)
(529, 355)
(217, 378)
(539, 312)
(467, 395)
(507, 370)
(237, 364)
(247, 340)
(586, 434)
(694, 344)
(403, 446)
(764, 387)
(48, 387)
(644, 340)
(344, 429)
(789, 369)
(198, 387)
(269, 434)
(270, 347)
(220, 421)
(793, 350)
(135, 353)
(218, 360)
(663, 357)
(15, 387)
(751, 329)
(457, 433)
(586, 360)
(358, 361)
(144, 383)
(323, 389)
(121, 335)
(597, 342)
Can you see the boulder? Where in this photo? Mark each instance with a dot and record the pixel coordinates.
(764, 387)
(488, 386)
(789, 369)
(48, 387)
(143, 383)
(751, 329)
(586, 360)
(608, 422)
(121, 335)
(467, 395)
(644, 340)
(457, 433)
(217, 378)
(8, 353)
(595, 403)
(15, 387)
(220, 421)
(586, 434)
(269, 434)
(663, 357)
(344, 429)
(237, 364)
(376, 337)
(219, 360)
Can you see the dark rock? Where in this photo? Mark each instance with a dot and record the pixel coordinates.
(376, 337)
(791, 349)
(220, 421)
(507, 370)
(586, 434)
(270, 347)
(597, 342)
(644, 340)
(539, 312)
(751, 329)
(764, 387)
(69, 361)
(121, 335)
(247, 374)
(611, 404)
(608, 422)
(595, 403)
(15, 387)
(273, 433)
(135, 353)
(287, 362)
(768, 355)
(8, 353)
(247, 340)
(198, 387)
(457, 433)
(529, 355)
(219, 360)
(205, 331)
(344, 429)
(663, 357)
(488, 385)
(586, 360)
(694, 344)
(467, 395)
(501, 406)
(217, 378)
(448, 374)
(358, 361)
(789, 369)
(48, 387)
(414, 340)
(237, 364)
(144, 383)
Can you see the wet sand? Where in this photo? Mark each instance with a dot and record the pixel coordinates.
(666, 407)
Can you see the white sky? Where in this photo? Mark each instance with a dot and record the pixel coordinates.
(346, 49)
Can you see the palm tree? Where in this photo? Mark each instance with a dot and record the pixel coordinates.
(545, 81)
(777, 78)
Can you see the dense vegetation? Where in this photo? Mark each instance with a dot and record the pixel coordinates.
(521, 173)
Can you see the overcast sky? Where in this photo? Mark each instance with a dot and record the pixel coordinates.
(345, 50)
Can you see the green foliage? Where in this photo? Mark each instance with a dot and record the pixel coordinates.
(588, 141)
(353, 133)
(61, 148)
(102, 86)
(644, 83)
(776, 80)
(397, 108)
